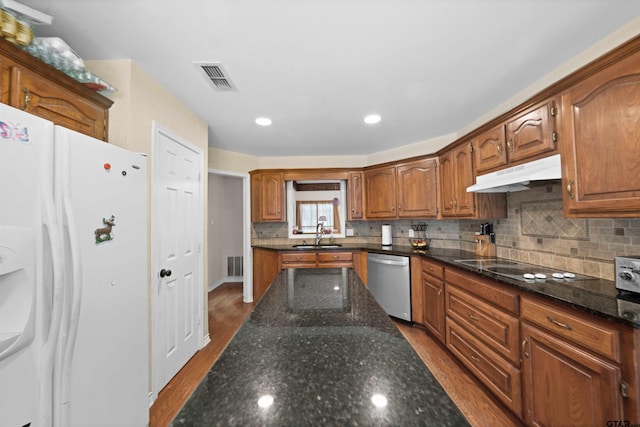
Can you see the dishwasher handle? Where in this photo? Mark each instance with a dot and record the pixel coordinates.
(403, 262)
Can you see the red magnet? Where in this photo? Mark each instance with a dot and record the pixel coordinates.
(107, 166)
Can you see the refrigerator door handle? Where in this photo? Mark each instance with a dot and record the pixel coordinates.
(53, 232)
(73, 293)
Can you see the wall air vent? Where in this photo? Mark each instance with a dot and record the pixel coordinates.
(216, 75)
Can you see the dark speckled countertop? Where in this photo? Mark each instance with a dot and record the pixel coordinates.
(596, 296)
(326, 353)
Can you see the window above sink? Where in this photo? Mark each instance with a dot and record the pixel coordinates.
(314, 202)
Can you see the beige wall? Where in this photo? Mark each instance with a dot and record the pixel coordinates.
(139, 101)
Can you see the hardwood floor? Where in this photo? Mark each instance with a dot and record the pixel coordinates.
(226, 314)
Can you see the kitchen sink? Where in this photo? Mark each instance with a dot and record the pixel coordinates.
(327, 246)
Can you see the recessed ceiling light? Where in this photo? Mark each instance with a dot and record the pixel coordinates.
(263, 121)
(372, 119)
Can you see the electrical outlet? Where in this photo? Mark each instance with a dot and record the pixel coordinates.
(349, 231)
(411, 234)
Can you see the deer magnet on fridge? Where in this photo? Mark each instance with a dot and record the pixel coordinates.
(103, 234)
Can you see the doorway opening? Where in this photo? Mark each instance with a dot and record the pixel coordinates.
(229, 231)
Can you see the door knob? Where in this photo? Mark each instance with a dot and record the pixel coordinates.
(164, 273)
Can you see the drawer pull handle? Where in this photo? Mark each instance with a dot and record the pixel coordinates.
(473, 317)
(561, 325)
(474, 358)
(26, 100)
(524, 347)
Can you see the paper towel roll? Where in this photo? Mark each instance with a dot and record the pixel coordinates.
(386, 235)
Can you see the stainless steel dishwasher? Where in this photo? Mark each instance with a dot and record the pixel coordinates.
(390, 283)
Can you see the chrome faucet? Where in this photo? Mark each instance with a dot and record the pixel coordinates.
(319, 233)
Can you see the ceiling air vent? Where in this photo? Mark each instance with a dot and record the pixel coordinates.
(216, 75)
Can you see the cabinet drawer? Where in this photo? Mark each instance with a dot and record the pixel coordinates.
(502, 378)
(584, 331)
(432, 269)
(489, 292)
(335, 257)
(298, 260)
(494, 327)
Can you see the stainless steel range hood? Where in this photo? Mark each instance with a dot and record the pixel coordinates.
(517, 178)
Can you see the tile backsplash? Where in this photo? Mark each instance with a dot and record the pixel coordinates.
(535, 231)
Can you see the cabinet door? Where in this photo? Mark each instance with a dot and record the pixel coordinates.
(447, 184)
(601, 148)
(355, 190)
(532, 133)
(34, 94)
(489, 149)
(380, 185)
(566, 386)
(417, 184)
(270, 198)
(433, 297)
(464, 202)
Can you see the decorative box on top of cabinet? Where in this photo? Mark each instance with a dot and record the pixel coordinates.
(34, 86)
(601, 144)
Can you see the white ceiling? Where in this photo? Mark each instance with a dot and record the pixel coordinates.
(316, 68)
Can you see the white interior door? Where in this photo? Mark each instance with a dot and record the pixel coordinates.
(177, 237)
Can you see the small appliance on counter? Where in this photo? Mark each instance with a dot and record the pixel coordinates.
(627, 271)
(387, 239)
(486, 241)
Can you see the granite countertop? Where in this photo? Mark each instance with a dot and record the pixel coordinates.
(326, 353)
(592, 295)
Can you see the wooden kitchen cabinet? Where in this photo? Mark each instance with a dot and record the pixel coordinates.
(355, 196)
(31, 85)
(267, 197)
(266, 267)
(570, 371)
(433, 299)
(490, 149)
(380, 191)
(533, 133)
(528, 136)
(601, 144)
(456, 174)
(482, 330)
(313, 259)
(405, 190)
(43, 98)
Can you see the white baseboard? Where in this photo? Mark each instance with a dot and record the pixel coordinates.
(227, 279)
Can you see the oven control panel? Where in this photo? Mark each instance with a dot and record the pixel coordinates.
(627, 270)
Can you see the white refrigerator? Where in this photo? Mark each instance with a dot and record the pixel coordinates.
(74, 308)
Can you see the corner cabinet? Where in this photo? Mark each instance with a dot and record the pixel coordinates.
(456, 174)
(404, 190)
(37, 88)
(267, 197)
(601, 147)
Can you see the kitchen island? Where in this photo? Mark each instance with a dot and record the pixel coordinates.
(319, 350)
